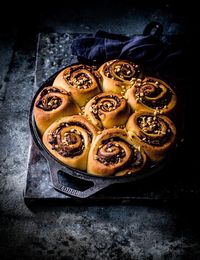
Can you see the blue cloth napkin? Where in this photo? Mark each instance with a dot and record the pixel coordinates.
(147, 49)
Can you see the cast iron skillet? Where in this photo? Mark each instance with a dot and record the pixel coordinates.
(99, 183)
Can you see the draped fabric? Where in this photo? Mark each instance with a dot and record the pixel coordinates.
(148, 49)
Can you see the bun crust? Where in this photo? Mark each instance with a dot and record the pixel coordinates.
(114, 153)
(152, 94)
(107, 110)
(155, 134)
(53, 103)
(82, 81)
(69, 140)
(119, 75)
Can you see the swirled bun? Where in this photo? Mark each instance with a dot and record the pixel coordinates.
(155, 134)
(152, 94)
(119, 75)
(114, 153)
(69, 140)
(106, 110)
(51, 104)
(82, 81)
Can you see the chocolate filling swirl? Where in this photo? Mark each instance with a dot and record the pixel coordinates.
(48, 99)
(154, 130)
(116, 151)
(153, 94)
(81, 77)
(104, 104)
(121, 70)
(67, 140)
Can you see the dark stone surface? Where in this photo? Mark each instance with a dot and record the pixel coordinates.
(50, 231)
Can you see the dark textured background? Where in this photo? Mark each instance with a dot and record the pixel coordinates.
(138, 231)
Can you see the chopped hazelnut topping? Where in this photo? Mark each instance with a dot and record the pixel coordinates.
(109, 150)
(149, 118)
(65, 142)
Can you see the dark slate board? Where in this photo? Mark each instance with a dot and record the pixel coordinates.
(172, 184)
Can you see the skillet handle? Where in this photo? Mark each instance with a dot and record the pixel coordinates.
(98, 184)
(153, 28)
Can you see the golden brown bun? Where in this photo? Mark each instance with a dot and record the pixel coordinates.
(151, 94)
(107, 110)
(69, 140)
(114, 153)
(118, 75)
(155, 134)
(82, 81)
(53, 103)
